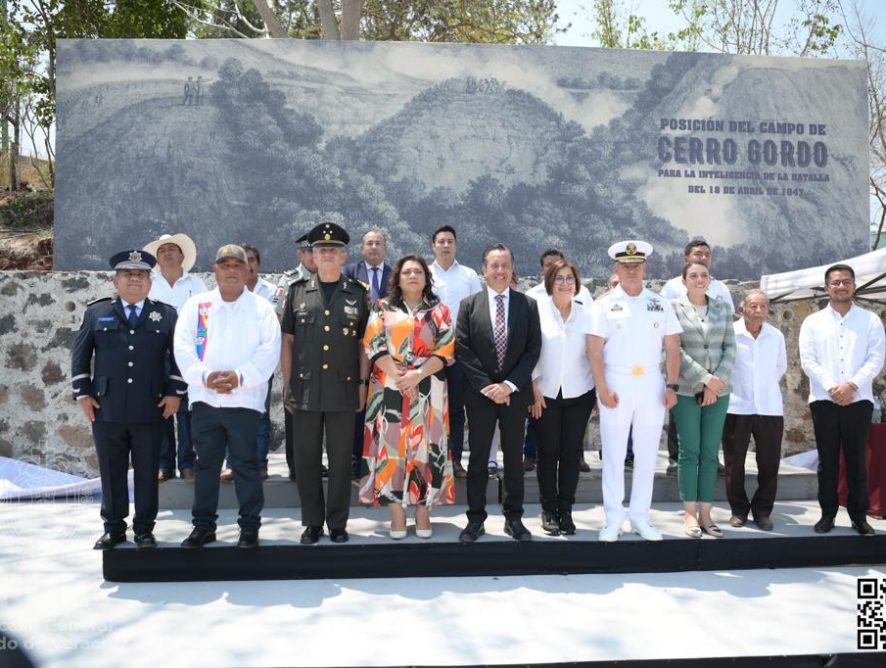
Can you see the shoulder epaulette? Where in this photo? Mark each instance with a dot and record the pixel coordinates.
(99, 300)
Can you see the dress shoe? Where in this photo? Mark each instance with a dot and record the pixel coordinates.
(145, 541)
(397, 534)
(311, 535)
(738, 521)
(187, 475)
(165, 475)
(609, 533)
(584, 467)
(109, 540)
(567, 526)
(824, 525)
(199, 537)
(763, 522)
(646, 531)
(471, 532)
(458, 470)
(263, 473)
(550, 523)
(712, 530)
(516, 530)
(424, 533)
(692, 530)
(227, 476)
(338, 535)
(863, 528)
(528, 464)
(248, 538)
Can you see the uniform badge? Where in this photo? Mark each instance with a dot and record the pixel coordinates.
(344, 330)
(654, 306)
(301, 307)
(350, 302)
(616, 307)
(351, 310)
(155, 316)
(135, 256)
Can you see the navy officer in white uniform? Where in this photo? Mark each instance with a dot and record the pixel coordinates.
(630, 326)
(129, 394)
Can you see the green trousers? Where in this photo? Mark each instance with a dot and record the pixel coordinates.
(700, 430)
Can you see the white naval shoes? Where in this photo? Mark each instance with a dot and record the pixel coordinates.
(609, 533)
(645, 530)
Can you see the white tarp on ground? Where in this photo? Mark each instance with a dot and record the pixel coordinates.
(870, 278)
(23, 481)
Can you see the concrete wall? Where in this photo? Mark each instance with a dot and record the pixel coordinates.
(40, 314)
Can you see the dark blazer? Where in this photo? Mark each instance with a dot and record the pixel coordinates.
(357, 271)
(133, 367)
(475, 346)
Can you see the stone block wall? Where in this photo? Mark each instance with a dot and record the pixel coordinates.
(40, 313)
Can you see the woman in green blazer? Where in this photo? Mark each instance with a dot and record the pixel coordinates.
(707, 352)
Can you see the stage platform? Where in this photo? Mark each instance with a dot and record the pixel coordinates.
(794, 484)
(371, 554)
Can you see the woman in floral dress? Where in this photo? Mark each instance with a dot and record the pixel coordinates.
(410, 340)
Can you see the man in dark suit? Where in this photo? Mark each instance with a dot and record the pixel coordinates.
(498, 340)
(129, 394)
(373, 272)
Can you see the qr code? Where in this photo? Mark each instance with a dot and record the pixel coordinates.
(871, 622)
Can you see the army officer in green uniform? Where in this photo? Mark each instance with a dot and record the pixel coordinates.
(325, 373)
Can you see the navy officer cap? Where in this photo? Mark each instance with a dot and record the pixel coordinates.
(133, 259)
(303, 242)
(328, 234)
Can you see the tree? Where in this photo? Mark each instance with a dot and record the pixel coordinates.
(481, 21)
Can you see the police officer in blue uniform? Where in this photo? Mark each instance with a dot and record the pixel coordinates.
(325, 374)
(129, 340)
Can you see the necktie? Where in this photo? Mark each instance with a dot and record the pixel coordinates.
(375, 285)
(133, 317)
(501, 330)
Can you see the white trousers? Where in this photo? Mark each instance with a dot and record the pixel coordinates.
(640, 404)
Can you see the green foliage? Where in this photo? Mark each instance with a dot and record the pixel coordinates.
(29, 211)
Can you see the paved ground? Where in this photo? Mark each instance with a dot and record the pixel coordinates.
(52, 597)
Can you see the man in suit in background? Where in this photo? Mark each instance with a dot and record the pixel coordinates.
(133, 389)
(373, 272)
(498, 344)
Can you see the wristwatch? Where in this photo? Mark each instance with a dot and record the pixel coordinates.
(673, 386)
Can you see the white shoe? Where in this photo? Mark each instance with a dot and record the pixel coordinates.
(645, 530)
(609, 533)
(424, 533)
(398, 534)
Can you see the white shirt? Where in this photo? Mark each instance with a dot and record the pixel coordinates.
(454, 284)
(242, 335)
(838, 349)
(633, 327)
(176, 295)
(759, 365)
(538, 292)
(563, 365)
(265, 289)
(674, 289)
(138, 307)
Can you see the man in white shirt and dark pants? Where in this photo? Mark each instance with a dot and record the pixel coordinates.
(171, 283)
(453, 282)
(755, 409)
(227, 344)
(842, 348)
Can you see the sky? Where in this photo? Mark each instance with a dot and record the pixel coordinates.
(661, 19)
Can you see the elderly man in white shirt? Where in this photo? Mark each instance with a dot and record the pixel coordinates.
(171, 283)
(755, 409)
(453, 282)
(842, 348)
(227, 345)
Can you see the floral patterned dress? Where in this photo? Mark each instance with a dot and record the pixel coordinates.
(406, 442)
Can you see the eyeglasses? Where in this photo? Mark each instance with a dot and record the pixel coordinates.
(846, 281)
(564, 279)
